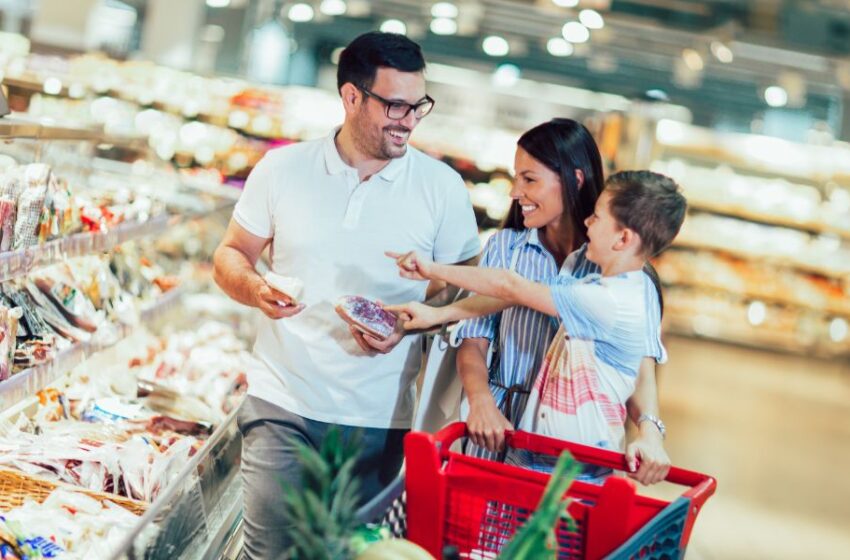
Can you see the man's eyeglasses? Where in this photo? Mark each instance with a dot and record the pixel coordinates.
(398, 110)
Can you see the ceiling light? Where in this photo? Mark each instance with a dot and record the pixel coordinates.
(495, 46)
(52, 86)
(218, 3)
(332, 7)
(721, 52)
(657, 94)
(443, 26)
(444, 10)
(591, 19)
(301, 12)
(506, 75)
(775, 96)
(394, 26)
(693, 60)
(838, 329)
(559, 47)
(566, 3)
(574, 32)
(756, 313)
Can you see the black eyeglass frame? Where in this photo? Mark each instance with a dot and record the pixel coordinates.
(388, 105)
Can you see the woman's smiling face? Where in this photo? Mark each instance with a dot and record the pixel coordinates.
(538, 190)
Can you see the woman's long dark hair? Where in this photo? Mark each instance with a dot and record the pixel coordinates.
(564, 145)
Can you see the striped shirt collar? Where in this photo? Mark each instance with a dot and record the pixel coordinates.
(527, 237)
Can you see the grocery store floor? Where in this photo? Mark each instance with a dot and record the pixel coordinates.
(774, 430)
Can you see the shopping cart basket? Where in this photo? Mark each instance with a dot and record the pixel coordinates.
(477, 505)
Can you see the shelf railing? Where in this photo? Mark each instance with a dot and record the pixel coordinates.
(18, 128)
(31, 380)
(14, 264)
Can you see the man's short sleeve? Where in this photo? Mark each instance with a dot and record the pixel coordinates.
(585, 306)
(457, 234)
(254, 209)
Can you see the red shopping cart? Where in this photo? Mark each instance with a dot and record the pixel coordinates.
(476, 505)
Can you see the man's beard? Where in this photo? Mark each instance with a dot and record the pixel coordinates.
(374, 142)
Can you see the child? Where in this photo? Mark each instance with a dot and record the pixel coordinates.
(592, 364)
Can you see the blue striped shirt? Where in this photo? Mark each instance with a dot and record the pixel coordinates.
(523, 334)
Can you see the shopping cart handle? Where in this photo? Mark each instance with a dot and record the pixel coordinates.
(702, 486)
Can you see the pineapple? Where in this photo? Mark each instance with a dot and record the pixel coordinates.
(322, 510)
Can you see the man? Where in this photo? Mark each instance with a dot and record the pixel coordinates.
(329, 209)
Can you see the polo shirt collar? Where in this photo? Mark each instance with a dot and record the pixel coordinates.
(335, 164)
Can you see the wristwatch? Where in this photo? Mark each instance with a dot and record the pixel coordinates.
(655, 420)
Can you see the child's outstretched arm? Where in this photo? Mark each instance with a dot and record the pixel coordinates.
(502, 284)
(418, 315)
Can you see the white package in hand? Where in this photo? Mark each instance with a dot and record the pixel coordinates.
(287, 285)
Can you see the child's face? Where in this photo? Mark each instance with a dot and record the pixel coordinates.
(603, 231)
(538, 190)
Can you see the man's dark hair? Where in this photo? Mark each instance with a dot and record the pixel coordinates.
(649, 204)
(360, 60)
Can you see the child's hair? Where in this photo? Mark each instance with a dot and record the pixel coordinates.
(649, 204)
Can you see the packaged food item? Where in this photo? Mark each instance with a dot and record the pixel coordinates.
(287, 285)
(8, 213)
(366, 316)
(31, 205)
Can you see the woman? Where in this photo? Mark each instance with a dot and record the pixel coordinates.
(558, 179)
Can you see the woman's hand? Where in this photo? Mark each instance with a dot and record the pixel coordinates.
(415, 315)
(486, 424)
(412, 265)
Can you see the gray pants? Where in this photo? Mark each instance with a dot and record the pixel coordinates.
(269, 463)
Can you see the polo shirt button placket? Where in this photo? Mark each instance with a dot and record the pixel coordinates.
(355, 202)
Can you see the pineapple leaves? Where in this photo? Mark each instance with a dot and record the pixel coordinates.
(536, 538)
(321, 510)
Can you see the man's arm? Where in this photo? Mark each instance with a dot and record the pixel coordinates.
(234, 272)
(648, 445)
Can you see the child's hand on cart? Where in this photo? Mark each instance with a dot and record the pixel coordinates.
(647, 461)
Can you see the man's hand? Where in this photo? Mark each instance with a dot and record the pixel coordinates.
(375, 345)
(372, 344)
(274, 304)
(412, 266)
(416, 315)
(648, 448)
(486, 424)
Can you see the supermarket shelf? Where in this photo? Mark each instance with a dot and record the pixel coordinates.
(16, 128)
(12, 128)
(182, 495)
(14, 264)
(715, 155)
(770, 341)
(828, 272)
(29, 381)
(842, 309)
(767, 218)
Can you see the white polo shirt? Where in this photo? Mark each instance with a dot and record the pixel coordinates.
(331, 231)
